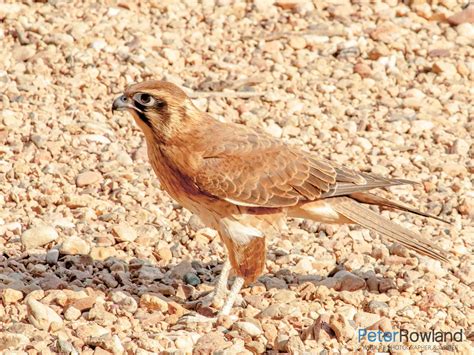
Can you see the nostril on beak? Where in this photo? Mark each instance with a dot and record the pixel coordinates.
(120, 103)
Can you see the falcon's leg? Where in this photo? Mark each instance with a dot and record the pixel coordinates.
(225, 310)
(234, 291)
(220, 291)
(217, 296)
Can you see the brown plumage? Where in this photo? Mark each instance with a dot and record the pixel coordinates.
(244, 183)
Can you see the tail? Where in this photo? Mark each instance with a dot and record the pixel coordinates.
(371, 199)
(363, 216)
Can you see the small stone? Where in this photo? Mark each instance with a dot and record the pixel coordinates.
(52, 256)
(90, 331)
(11, 119)
(38, 236)
(72, 313)
(40, 315)
(88, 178)
(154, 302)
(11, 296)
(256, 347)
(124, 232)
(66, 347)
(349, 281)
(341, 327)
(263, 5)
(377, 307)
(172, 55)
(165, 254)
(295, 346)
(365, 319)
(304, 266)
(386, 284)
(125, 301)
(383, 325)
(23, 53)
(211, 343)
(453, 168)
(181, 269)
(297, 42)
(364, 143)
(12, 341)
(274, 129)
(102, 253)
(84, 303)
(191, 278)
(460, 146)
(74, 246)
(419, 126)
(444, 68)
(249, 328)
(319, 330)
(386, 32)
(363, 70)
(464, 16)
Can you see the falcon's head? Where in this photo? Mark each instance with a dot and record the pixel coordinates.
(161, 109)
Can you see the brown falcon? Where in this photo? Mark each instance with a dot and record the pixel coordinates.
(244, 183)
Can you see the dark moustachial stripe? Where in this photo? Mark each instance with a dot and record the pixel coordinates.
(141, 115)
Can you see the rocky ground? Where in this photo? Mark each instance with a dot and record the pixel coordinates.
(96, 259)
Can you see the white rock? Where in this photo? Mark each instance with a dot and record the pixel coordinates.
(274, 130)
(364, 143)
(124, 232)
(12, 341)
(460, 147)
(96, 138)
(12, 119)
(99, 44)
(125, 301)
(419, 126)
(263, 5)
(171, 54)
(72, 313)
(74, 246)
(38, 236)
(249, 328)
(40, 315)
(466, 30)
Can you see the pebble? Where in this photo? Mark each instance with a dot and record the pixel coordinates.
(74, 246)
(12, 341)
(349, 281)
(445, 68)
(11, 296)
(11, 119)
(88, 178)
(154, 302)
(191, 278)
(460, 146)
(341, 327)
(247, 327)
(72, 313)
(124, 232)
(40, 315)
(125, 301)
(38, 236)
(297, 42)
(102, 253)
(165, 254)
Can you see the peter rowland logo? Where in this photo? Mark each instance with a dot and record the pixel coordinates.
(386, 341)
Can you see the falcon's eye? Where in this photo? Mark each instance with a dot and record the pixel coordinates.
(144, 99)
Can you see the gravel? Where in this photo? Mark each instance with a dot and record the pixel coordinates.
(96, 259)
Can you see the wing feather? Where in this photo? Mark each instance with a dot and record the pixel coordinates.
(253, 169)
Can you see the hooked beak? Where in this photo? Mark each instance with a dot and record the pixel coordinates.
(122, 103)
